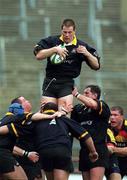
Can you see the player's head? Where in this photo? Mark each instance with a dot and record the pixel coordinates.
(24, 102)
(117, 108)
(68, 30)
(92, 91)
(50, 108)
(116, 117)
(68, 23)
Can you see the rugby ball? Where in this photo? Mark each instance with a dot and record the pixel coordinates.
(56, 59)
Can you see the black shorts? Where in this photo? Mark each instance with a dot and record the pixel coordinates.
(57, 88)
(31, 169)
(56, 158)
(84, 162)
(113, 166)
(123, 165)
(7, 161)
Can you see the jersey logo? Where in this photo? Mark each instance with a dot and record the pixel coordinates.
(29, 122)
(86, 123)
(115, 165)
(52, 122)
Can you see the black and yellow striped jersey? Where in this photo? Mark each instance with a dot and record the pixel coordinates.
(18, 125)
(95, 121)
(56, 132)
(71, 66)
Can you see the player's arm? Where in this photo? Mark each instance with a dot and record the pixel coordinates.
(33, 156)
(92, 60)
(111, 142)
(18, 151)
(89, 102)
(41, 116)
(120, 151)
(44, 53)
(93, 155)
(83, 136)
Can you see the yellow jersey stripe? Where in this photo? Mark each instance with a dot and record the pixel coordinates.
(13, 127)
(111, 135)
(100, 108)
(26, 118)
(83, 135)
(28, 115)
(9, 113)
(49, 111)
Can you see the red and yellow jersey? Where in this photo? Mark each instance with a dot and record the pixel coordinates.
(121, 135)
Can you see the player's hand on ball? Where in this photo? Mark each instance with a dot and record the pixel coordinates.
(60, 55)
(62, 51)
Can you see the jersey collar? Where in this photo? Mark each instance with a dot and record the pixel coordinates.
(74, 42)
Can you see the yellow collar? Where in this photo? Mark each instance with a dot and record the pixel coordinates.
(9, 113)
(49, 111)
(74, 42)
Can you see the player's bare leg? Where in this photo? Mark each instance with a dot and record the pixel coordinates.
(46, 99)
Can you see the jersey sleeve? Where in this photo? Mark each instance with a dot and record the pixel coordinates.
(43, 44)
(92, 51)
(21, 127)
(8, 118)
(77, 130)
(103, 109)
(110, 137)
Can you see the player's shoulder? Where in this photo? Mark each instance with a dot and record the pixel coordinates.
(103, 108)
(80, 42)
(53, 38)
(88, 46)
(125, 123)
(104, 103)
(7, 118)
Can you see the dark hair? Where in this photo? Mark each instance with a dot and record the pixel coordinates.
(68, 23)
(95, 89)
(117, 108)
(16, 100)
(50, 106)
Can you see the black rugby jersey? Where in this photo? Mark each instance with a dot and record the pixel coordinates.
(18, 125)
(94, 121)
(71, 66)
(56, 132)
